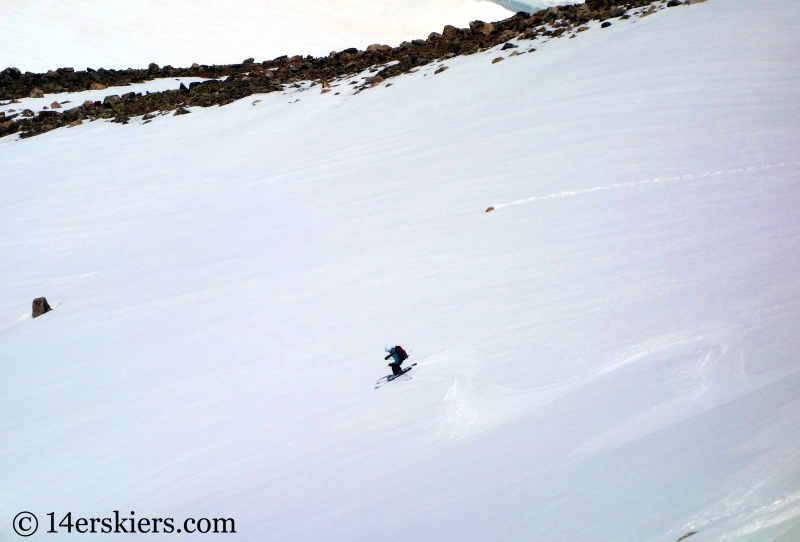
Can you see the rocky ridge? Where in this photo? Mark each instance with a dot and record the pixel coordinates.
(232, 82)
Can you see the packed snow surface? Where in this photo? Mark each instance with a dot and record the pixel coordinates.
(609, 355)
(68, 100)
(47, 34)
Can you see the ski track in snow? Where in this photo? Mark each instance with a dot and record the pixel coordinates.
(690, 177)
(711, 370)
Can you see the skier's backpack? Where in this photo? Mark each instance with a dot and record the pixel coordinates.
(400, 352)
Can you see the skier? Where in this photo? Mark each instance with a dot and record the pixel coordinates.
(399, 356)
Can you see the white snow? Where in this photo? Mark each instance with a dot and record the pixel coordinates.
(609, 355)
(68, 100)
(47, 34)
(532, 6)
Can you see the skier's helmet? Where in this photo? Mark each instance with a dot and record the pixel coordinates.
(388, 348)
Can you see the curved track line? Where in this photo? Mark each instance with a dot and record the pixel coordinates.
(646, 181)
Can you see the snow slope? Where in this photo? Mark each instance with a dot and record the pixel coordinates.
(531, 6)
(613, 357)
(72, 99)
(43, 35)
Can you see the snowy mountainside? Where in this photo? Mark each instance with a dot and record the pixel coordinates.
(43, 35)
(608, 355)
(530, 6)
(70, 99)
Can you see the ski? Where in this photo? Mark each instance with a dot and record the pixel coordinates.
(386, 379)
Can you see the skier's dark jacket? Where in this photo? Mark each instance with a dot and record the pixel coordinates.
(398, 354)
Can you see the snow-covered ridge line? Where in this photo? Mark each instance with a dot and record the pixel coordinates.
(37, 36)
(249, 78)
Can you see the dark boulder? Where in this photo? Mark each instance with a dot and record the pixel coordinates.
(12, 74)
(450, 31)
(605, 25)
(40, 306)
(378, 48)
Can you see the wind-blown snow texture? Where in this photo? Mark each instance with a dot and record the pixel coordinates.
(616, 363)
(43, 35)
